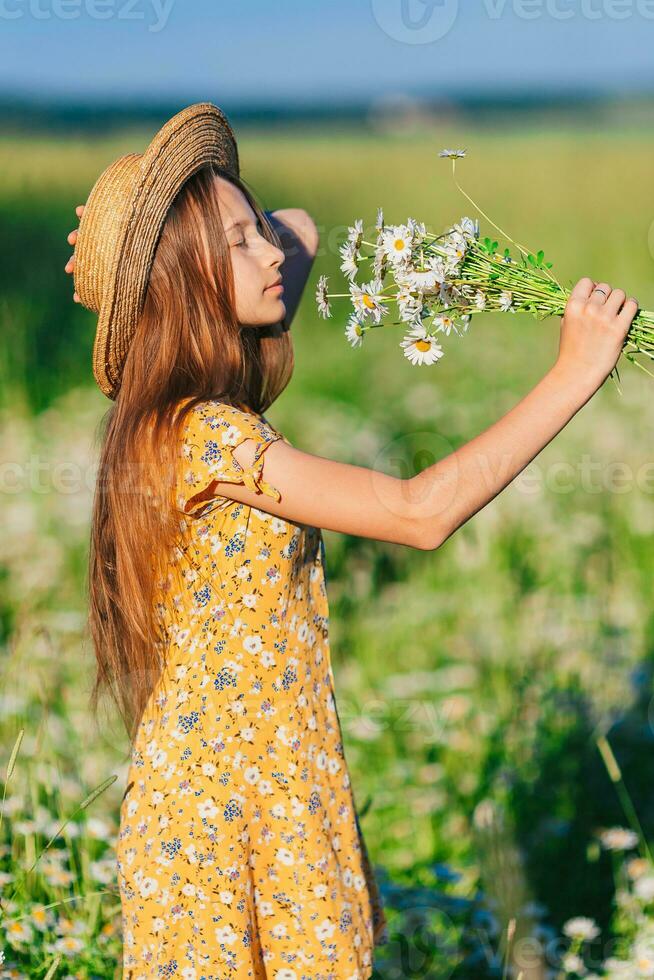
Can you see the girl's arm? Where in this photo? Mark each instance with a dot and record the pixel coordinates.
(424, 510)
(299, 241)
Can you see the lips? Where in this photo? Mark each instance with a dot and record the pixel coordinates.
(277, 282)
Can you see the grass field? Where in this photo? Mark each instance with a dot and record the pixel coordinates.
(473, 681)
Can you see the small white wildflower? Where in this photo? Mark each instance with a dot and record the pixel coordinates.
(452, 154)
(421, 348)
(408, 304)
(506, 301)
(368, 300)
(422, 280)
(644, 888)
(581, 927)
(468, 227)
(379, 224)
(355, 233)
(354, 331)
(573, 963)
(444, 323)
(437, 266)
(396, 241)
(321, 297)
(618, 839)
(69, 945)
(455, 248)
(418, 231)
(350, 256)
(637, 866)
(480, 300)
(379, 262)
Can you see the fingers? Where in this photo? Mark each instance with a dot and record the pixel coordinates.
(70, 265)
(72, 238)
(583, 289)
(600, 294)
(614, 303)
(627, 313)
(76, 298)
(79, 210)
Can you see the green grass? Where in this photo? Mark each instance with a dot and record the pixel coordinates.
(480, 672)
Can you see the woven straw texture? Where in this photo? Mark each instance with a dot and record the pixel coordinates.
(122, 221)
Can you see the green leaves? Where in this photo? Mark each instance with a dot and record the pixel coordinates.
(538, 261)
(489, 246)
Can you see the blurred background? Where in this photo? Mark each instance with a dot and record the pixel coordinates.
(495, 695)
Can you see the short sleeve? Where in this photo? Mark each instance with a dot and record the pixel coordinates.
(210, 433)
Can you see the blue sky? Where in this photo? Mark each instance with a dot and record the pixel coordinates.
(248, 51)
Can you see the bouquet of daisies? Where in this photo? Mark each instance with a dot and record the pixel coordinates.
(435, 284)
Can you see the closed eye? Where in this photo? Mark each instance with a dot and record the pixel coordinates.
(259, 227)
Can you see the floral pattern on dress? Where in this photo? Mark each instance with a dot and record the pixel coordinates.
(240, 853)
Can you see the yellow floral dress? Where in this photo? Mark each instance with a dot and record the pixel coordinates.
(239, 852)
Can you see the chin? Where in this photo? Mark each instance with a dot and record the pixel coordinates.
(279, 311)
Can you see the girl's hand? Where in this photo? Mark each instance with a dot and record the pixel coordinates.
(594, 328)
(72, 238)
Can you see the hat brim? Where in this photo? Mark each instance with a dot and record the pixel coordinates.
(195, 137)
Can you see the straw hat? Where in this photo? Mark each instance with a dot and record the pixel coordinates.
(122, 221)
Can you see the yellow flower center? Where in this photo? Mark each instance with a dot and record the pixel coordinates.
(399, 244)
(422, 345)
(367, 301)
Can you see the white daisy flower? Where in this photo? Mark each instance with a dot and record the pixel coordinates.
(355, 233)
(506, 299)
(68, 945)
(455, 249)
(408, 304)
(418, 230)
(354, 331)
(350, 255)
(581, 927)
(379, 262)
(437, 266)
(368, 300)
(421, 349)
(452, 154)
(468, 227)
(424, 281)
(480, 300)
(396, 240)
(465, 321)
(444, 323)
(379, 224)
(321, 297)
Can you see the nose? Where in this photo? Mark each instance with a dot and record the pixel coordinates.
(278, 255)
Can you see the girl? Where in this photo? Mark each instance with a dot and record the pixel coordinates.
(239, 851)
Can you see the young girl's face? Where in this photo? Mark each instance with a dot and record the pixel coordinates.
(255, 261)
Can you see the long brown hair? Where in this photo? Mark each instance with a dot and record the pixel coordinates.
(188, 347)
